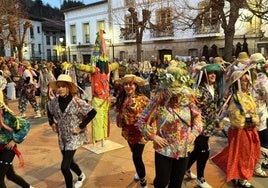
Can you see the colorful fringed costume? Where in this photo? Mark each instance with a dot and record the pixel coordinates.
(100, 75)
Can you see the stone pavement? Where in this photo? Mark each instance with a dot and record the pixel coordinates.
(112, 169)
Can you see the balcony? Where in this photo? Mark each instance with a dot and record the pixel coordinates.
(207, 31)
(162, 35)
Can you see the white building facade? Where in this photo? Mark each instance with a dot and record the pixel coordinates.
(83, 23)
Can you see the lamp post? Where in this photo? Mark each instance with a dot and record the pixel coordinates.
(60, 48)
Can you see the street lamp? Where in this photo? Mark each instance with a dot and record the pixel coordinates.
(60, 48)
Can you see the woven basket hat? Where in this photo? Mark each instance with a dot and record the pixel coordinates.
(237, 74)
(243, 57)
(131, 78)
(63, 78)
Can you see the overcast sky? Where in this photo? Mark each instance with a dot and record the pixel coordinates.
(57, 3)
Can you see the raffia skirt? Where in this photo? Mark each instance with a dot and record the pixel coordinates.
(240, 157)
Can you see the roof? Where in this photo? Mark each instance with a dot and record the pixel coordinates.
(85, 6)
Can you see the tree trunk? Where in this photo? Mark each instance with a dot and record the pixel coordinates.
(228, 49)
(20, 53)
(139, 46)
(139, 36)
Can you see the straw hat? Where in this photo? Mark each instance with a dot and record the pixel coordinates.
(131, 78)
(63, 78)
(243, 57)
(237, 74)
(219, 60)
(257, 58)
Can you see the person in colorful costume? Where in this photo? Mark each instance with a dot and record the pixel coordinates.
(240, 157)
(68, 116)
(100, 77)
(172, 121)
(261, 98)
(8, 146)
(27, 91)
(210, 87)
(129, 104)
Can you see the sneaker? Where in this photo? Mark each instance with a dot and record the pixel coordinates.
(143, 183)
(201, 182)
(136, 177)
(80, 181)
(190, 175)
(260, 173)
(38, 114)
(23, 115)
(244, 184)
(265, 165)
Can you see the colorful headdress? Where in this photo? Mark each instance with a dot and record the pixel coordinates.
(175, 80)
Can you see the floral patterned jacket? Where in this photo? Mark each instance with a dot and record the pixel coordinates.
(127, 117)
(179, 126)
(73, 115)
(208, 107)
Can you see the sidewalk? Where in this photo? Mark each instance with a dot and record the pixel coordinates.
(112, 169)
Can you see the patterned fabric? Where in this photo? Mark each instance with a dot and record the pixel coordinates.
(127, 117)
(73, 115)
(208, 105)
(240, 157)
(178, 125)
(20, 126)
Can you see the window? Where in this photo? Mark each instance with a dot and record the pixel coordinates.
(86, 33)
(48, 40)
(39, 48)
(32, 48)
(73, 34)
(130, 24)
(208, 22)
(32, 32)
(101, 25)
(49, 54)
(54, 39)
(164, 16)
(38, 29)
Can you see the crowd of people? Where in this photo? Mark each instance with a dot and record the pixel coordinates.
(177, 105)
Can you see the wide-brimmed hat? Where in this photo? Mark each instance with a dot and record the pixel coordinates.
(131, 78)
(243, 57)
(63, 78)
(257, 58)
(237, 74)
(219, 60)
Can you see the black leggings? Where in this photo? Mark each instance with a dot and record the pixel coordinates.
(137, 150)
(67, 165)
(200, 154)
(169, 171)
(6, 169)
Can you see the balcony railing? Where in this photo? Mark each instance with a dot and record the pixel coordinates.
(159, 34)
(208, 29)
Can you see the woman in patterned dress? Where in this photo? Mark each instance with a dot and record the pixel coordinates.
(129, 104)
(69, 115)
(172, 121)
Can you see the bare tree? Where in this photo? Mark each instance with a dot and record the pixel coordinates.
(184, 16)
(140, 16)
(223, 12)
(14, 25)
